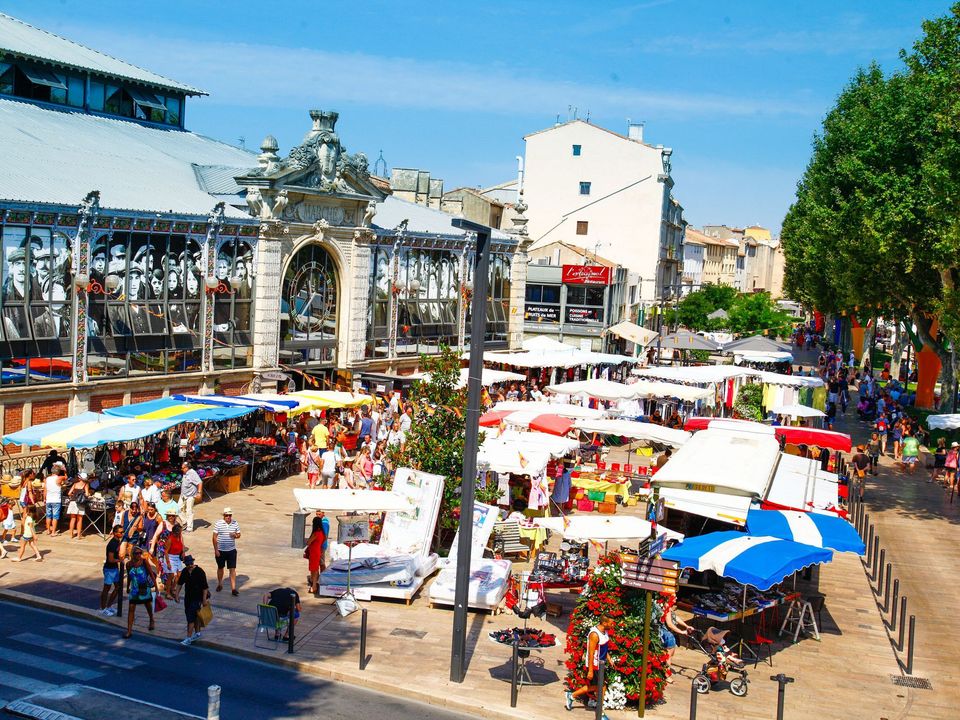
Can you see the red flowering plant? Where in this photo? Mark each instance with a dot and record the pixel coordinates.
(605, 595)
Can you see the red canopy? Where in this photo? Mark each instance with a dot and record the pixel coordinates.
(815, 436)
(794, 435)
(493, 418)
(552, 424)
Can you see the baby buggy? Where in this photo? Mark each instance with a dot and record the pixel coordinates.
(721, 663)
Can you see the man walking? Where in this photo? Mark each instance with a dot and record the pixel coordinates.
(225, 534)
(196, 594)
(111, 573)
(191, 491)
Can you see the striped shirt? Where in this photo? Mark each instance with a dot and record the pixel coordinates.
(223, 530)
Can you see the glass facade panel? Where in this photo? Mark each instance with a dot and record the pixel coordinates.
(308, 308)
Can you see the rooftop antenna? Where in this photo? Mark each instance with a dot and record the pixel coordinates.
(243, 142)
(558, 119)
(588, 116)
(575, 112)
(380, 166)
(569, 112)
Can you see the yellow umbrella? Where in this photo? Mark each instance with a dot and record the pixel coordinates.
(332, 398)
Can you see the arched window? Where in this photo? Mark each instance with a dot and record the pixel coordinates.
(308, 312)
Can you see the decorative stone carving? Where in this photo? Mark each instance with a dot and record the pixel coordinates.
(254, 201)
(312, 212)
(280, 203)
(369, 214)
(274, 229)
(320, 227)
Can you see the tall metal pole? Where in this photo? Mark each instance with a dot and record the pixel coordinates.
(468, 485)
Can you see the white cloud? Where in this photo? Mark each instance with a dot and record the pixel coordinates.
(257, 75)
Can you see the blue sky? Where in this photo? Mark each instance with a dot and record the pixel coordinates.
(736, 88)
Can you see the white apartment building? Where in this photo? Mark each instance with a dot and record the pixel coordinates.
(610, 194)
(693, 252)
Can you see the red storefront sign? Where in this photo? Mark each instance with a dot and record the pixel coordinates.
(586, 275)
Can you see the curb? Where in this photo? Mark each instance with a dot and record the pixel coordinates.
(311, 668)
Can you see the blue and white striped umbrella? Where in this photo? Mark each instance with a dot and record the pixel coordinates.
(817, 529)
(760, 561)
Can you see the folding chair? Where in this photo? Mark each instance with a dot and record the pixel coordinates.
(269, 621)
(601, 466)
(506, 539)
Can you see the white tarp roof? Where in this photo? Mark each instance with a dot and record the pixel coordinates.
(792, 380)
(946, 421)
(487, 378)
(350, 500)
(694, 373)
(555, 445)
(762, 357)
(604, 527)
(655, 389)
(557, 358)
(633, 333)
(635, 430)
(542, 343)
(512, 458)
(800, 484)
(798, 411)
(548, 408)
(718, 459)
(713, 505)
(596, 387)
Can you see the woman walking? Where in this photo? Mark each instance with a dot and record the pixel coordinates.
(77, 496)
(939, 460)
(314, 551)
(141, 580)
(312, 462)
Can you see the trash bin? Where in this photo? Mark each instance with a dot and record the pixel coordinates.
(298, 538)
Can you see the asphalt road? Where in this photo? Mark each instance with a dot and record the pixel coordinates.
(41, 650)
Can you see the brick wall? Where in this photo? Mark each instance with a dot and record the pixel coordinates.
(144, 396)
(13, 421)
(49, 410)
(184, 390)
(98, 403)
(232, 388)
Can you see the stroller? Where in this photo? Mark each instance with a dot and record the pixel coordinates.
(719, 665)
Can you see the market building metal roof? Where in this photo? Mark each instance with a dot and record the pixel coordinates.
(25, 40)
(58, 156)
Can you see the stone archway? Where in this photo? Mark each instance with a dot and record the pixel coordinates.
(310, 290)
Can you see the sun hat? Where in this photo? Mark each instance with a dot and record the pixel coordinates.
(954, 444)
(227, 511)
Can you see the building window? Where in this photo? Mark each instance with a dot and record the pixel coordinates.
(584, 304)
(581, 227)
(543, 304)
(584, 188)
(576, 151)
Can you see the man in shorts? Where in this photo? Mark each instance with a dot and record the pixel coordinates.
(225, 535)
(910, 452)
(283, 599)
(111, 573)
(196, 594)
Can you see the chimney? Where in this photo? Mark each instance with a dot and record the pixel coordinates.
(635, 131)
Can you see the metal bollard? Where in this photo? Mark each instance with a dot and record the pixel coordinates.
(513, 674)
(213, 702)
(290, 623)
(910, 639)
(894, 603)
(869, 526)
(879, 558)
(363, 638)
(886, 589)
(693, 701)
(782, 681)
(599, 709)
(903, 622)
(120, 591)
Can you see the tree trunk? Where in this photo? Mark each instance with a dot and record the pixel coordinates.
(869, 346)
(924, 324)
(900, 340)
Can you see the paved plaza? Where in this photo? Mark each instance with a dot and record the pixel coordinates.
(847, 674)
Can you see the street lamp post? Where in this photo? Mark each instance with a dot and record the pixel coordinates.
(468, 483)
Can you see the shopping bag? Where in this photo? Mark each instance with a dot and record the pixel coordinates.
(204, 616)
(159, 603)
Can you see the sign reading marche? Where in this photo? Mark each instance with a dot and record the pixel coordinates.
(650, 574)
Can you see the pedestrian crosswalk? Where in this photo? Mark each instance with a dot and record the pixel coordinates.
(42, 658)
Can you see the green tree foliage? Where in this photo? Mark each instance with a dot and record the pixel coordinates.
(756, 313)
(876, 221)
(749, 401)
(435, 441)
(693, 309)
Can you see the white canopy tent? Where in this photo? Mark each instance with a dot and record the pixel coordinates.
(947, 421)
(547, 408)
(657, 389)
(737, 461)
(488, 377)
(511, 458)
(597, 388)
(351, 500)
(542, 343)
(604, 527)
(635, 430)
(798, 411)
(762, 357)
(800, 484)
(633, 333)
(793, 380)
(694, 374)
(567, 358)
(554, 445)
(713, 505)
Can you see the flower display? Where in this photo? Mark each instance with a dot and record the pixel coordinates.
(605, 595)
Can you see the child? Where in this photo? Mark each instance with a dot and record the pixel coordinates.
(7, 524)
(29, 537)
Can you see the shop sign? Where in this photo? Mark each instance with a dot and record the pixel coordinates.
(542, 313)
(585, 275)
(583, 314)
(652, 574)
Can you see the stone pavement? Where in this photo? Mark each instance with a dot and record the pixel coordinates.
(847, 674)
(918, 527)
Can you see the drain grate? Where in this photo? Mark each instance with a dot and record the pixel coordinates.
(918, 683)
(401, 632)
